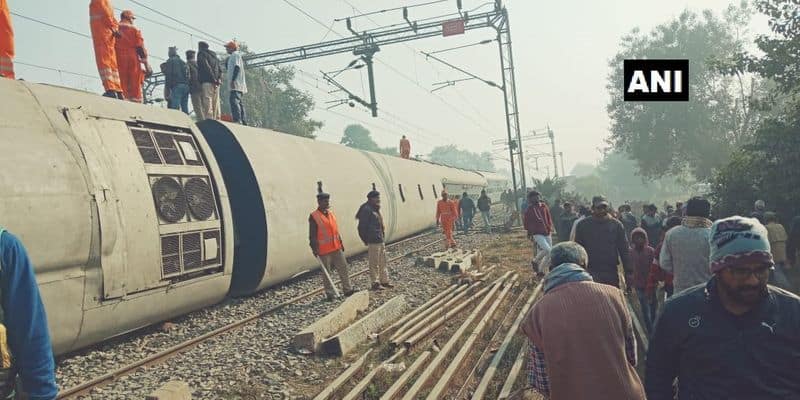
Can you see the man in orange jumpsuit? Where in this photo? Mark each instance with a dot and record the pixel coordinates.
(105, 31)
(446, 215)
(6, 42)
(131, 54)
(405, 147)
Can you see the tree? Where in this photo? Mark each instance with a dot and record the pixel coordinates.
(699, 135)
(359, 137)
(455, 157)
(272, 101)
(782, 50)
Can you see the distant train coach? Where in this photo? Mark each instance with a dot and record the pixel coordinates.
(135, 214)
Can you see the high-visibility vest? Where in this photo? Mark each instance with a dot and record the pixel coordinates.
(327, 232)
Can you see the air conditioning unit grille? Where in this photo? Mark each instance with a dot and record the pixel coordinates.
(191, 251)
(200, 198)
(170, 255)
(147, 149)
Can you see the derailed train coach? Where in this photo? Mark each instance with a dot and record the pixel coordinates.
(134, 214)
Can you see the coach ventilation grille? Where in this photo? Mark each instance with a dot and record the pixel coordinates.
(185, 202)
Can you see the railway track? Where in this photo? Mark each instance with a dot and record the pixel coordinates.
(85, 388)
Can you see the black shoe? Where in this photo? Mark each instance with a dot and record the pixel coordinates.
(377, 286)
(110, 94)
(349, 293)
(387, 285)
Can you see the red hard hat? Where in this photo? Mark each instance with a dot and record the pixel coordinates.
(232, 45)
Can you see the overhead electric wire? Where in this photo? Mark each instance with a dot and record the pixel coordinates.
(398, 72)
(178, 21)
(61, 28)
(57, 70)
(390, 9)
(416, 53)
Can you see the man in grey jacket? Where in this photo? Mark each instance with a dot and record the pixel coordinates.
(685, 251)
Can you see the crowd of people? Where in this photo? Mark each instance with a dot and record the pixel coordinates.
(729, 330)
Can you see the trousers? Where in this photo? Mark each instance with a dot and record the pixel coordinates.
(210, 101)
(542, 245)
(447, 228)
(237, 107)
(378, 271)
(336, 260)
(485, 216)
(179, 98)
(197, 104)
(466, 221)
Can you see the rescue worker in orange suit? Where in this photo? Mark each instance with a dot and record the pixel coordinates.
(405, 148)
(6, 42)
(446, 215)
(326, 243)
(131, 54)
(105, 31)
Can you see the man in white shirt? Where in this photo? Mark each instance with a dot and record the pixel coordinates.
(236, 82)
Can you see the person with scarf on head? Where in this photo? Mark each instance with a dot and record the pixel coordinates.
(642, 256)
(580, 333)
(685, 250)
(734, 338)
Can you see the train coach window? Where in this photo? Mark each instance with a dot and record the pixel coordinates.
(435, 195)
(421, 197)
(402, 196)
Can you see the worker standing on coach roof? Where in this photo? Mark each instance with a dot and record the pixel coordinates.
(372, 232)
(236, 82)
(195, 90)
(326, 243)
(405, 148)
(446, 215)
(131, 55)
(209, 74)
(105, 31)
(176, 75)
(735, 337)
(6, 42)
(25, 351)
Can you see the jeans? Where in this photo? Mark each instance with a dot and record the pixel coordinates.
(485, 216)
(644, 306)
(179, 97)
(542, 245)
(237, 107)
(466, 222)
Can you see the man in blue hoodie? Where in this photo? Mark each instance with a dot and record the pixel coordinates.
(25, 323)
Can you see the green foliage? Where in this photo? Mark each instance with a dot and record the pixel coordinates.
(273, 102)
(455, 157)
(782, 49)
(766, 169)
(669, 138)
(616, 177)
(359, 137)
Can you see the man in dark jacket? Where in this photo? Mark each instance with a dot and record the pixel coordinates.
(652, 224)
(209, 74)
(628, 220)
(371, 231)
(485, 206)
(565, 221)
(734, 337)
(604, 239)
(467, 207)
(195, 89)
(539, 224)
(176, 76)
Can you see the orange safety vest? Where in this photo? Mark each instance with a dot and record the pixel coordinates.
(328, 238)
(6, 42)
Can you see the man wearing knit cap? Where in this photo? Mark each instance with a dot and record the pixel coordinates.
(684, 252)
(734, 338)
(372, 232)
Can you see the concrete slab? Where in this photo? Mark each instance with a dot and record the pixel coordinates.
(172, 390)
(310, 337)
(346, 340)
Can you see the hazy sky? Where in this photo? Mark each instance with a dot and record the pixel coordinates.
(561, 51)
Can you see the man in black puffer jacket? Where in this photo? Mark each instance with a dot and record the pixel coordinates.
(372, 231)
(735, 337)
